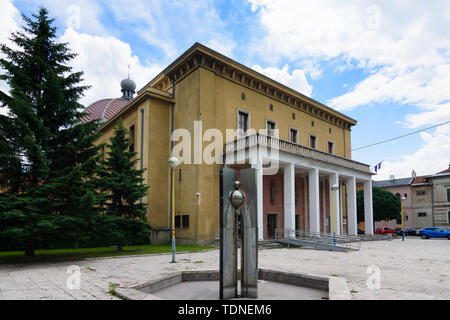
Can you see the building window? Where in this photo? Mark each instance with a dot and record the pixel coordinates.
(132, 138)
(312, 123)
(405, 195)
(177, 221)
(243, 121)
(313, 141)
(293, 135)
(293, 116)
(331, 147)
(179, 175)
(270, 127)
(422, 214)
(271, 107)
(448, 194)
(448, 217)
(329, 130)
(243, 96)
(420, 193)
(398, 195)
(185, 221)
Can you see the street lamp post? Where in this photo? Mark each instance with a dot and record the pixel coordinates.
(333, 189)
(173, 163)
(403, 226)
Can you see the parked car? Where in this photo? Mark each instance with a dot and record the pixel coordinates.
(408, 232)
(427, 233)
(385, 231)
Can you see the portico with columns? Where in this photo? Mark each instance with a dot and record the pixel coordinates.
(294, 187)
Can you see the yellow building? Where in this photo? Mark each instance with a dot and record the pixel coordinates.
(203, 90)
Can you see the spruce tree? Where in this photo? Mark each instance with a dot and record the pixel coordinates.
(122, 182)
(48, 159)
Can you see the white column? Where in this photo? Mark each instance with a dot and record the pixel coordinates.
(351, 206)
(368, 207)
(314, 204)
(259, 197)
(334, 180)
(289, 198)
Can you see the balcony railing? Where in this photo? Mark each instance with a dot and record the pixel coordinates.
(290, 147)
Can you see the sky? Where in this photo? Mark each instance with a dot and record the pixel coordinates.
(384, 63)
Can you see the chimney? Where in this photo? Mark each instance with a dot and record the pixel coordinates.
(392, 177)
(414, 175)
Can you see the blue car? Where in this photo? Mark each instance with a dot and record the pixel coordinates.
(427, 233)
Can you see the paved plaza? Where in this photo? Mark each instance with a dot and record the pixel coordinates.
(414, 269)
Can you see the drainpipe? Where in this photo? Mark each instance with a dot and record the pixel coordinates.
(432, 202)
(142, 155)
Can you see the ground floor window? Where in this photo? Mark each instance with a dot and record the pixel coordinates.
(185, 221)
(177, 221)
(422, 214)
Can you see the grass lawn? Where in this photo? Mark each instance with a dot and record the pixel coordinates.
(12, 257)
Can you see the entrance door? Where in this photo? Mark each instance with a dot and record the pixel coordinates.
(271, 225)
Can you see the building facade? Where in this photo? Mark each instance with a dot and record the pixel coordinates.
(203, 95)
(428, 200)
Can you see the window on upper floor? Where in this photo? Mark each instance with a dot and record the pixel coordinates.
(270, 127)
(313, 141)
(243, 121)
(420, 193)
(293, 135)
(448, 194)
(132, 138)
(331, 147)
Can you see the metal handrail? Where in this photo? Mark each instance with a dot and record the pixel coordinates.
(347, 241)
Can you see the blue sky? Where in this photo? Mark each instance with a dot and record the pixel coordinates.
(385, 64)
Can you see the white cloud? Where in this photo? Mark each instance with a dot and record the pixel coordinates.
(9, 16)
(295, 80)
(105, 61)
(175, 25)
(404, 48)
(431, 157)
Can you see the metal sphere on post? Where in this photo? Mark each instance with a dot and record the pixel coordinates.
(173, 163)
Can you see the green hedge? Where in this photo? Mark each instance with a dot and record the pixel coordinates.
(73, 233)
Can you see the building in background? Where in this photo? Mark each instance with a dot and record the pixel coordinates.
(441, 197)
(401, 188)
(428, 200)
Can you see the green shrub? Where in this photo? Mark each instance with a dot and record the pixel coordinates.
(74, 233)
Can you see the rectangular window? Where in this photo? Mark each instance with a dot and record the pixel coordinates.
(243, 121)
(448, 194)
(177, 221)
(132, 138)
(420, 193)
(293, 116)
(293, 135)
(271, 107)
(448, 217)
(185, 221)
(422, 214)
(330, 147)
(270, 127)
(243, 96)
(313, 142)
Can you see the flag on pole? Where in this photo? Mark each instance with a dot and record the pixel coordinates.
(378, 166)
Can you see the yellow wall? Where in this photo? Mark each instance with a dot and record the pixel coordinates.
(202, 95)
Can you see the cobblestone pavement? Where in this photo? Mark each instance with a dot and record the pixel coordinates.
(414, 269)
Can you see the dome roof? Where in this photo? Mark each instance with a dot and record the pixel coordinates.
(128, 84)
(104, 109)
